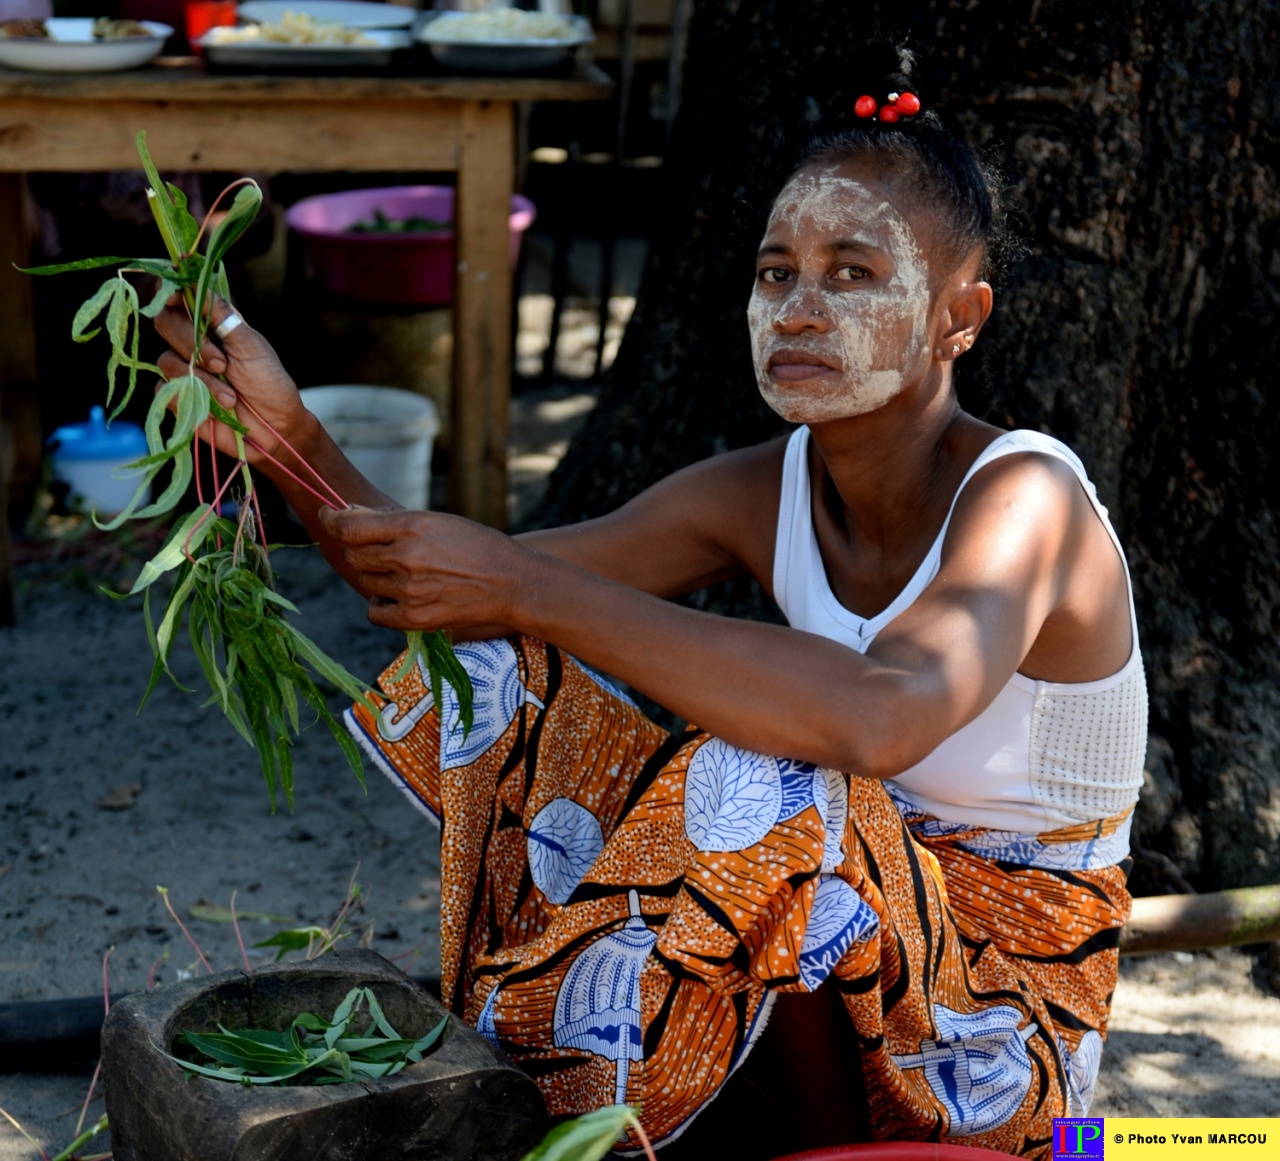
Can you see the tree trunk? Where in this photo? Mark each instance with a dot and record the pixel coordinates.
(1142, 327)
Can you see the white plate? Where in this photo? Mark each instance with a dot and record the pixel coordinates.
(501, 55)
(71, 48)
(352, 13)
(266, 54)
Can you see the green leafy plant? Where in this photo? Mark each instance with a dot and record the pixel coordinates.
(258, 666)
(414, 224)
(312, 1050)
(589, 1137)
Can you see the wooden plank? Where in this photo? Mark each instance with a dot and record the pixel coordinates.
(40, 135)
(1188, 922)
(195, 84)
(482, 318)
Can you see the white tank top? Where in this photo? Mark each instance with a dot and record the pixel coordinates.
(1043, 755)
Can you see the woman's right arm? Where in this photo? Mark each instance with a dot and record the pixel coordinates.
(704, 524)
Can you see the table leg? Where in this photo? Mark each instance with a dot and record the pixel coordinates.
(482, 313)
(17, 359)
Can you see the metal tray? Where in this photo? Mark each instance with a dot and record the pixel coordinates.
(306, 57)
(503, 56)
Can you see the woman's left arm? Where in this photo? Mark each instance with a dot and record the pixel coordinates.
(763, 687)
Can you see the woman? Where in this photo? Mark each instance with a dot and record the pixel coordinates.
(621, 909)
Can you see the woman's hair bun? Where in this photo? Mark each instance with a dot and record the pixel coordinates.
(877, 69)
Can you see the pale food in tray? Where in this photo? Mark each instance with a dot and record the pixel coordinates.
(294, 28)
(300, 41)
(352, 13)
(504, 40)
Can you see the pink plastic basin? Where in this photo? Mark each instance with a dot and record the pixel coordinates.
(405, 269)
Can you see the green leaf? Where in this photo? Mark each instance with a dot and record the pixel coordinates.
(310, 1022)
(323, 1049)
(217, 913)
(586, 1138)
(191, 409)
(442, 659)
(173, 492)
(222, 415)
(442, 664)
(244, 208)
(174, 551)
(421, 1045)
(93, 306)
(345, 741)
(294, 939)
(177, 227)
(284, 756)
(241, 1052)
(379, 1017)
(416, 647)
(165, 291)
(342, 1015)
(68, 267)
(173, 615)
(329, 669)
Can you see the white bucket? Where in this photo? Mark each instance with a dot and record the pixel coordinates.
(385, 432)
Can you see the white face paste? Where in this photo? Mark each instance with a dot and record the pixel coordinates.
(869, 330)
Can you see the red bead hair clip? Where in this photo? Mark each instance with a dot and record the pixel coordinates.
(900, 105)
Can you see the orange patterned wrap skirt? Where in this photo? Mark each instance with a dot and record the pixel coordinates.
(620, 906)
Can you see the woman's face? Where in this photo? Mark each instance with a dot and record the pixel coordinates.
(840, 309)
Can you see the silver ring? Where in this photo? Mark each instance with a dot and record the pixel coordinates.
(227, 325)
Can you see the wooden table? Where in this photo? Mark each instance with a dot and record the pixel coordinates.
(198, 120)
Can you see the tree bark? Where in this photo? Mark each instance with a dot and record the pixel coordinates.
(1142, 327)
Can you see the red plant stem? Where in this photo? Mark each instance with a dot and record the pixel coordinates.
(212, 209)
(242, 517)
(213, 466)
(88, 1099)
(164, 894)
(262, 528)
(301, 483)
(106, 1009)
(151, 975)
(644, 1141)
(213, 510)
(235, 923)
(195, 466)
(296, 455)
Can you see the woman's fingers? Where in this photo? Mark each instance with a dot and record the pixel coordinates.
(239, 340)
(172, 366)
(236, 338)
(359, 527)
(388, 614)
(175, 327)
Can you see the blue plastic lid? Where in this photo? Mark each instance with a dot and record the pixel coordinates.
(96, 441)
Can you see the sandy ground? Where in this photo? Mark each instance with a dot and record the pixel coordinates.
(1192, 1034)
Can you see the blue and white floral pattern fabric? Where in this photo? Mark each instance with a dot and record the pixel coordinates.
(620, 907)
